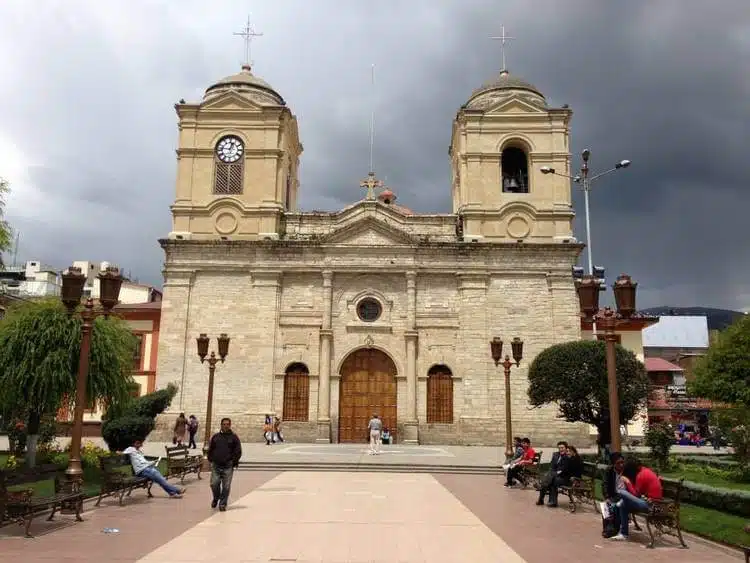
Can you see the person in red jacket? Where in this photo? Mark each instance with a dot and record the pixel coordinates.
(516, 471)
(642, 486)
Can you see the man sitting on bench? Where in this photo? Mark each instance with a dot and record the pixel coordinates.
(514, 473)
(144, 468)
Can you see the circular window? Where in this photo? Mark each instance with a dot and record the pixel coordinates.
(369, 310)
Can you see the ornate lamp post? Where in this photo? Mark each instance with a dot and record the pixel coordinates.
(588, 294)
(496, 347)
(73, 281)
(203, 341)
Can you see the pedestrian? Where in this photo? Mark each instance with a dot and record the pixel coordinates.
(277, 430)
(180, 430)
(192, 431)
(144, 468)
(268, 430)
(375, 426)
(224, 453)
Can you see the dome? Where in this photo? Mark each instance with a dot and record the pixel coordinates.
(506, 81)
(245, 82)
(387, 197)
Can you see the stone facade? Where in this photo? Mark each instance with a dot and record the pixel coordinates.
(288, 286)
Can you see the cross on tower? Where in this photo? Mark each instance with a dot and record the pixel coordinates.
(371, 183)
(247, 33)
(503, 38)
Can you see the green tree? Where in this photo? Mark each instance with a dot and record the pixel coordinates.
(723, 374)
(39, 350)
(6, 233)
(128, 422)
(574, 376)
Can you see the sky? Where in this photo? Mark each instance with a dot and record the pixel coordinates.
(88, 129)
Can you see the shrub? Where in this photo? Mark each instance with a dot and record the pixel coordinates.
(136, 420)
(732, 501)
(18, 433)
(660, 439)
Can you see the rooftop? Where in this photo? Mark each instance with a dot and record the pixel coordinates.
(660, 364)
(677, 332)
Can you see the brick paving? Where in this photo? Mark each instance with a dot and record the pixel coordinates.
(540, 533)
(340, 517)
(144, 524)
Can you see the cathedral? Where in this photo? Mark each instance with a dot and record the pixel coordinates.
(373, 309)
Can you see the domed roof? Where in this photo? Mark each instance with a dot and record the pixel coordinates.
(245, 82)
(505, 81)
(387, 197)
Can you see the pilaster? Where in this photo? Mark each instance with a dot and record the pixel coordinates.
(324, 381)
(411, 425)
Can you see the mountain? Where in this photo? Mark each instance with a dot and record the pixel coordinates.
(718, 319)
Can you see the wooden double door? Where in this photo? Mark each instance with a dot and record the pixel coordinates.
(368, 386)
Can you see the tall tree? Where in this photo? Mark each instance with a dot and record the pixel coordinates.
(574, 376)
(723, 374)
(39, 351)
(6, 233)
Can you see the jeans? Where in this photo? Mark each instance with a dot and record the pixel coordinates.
(552, 482)
(192, 443)
(630, 503)
(154, 474)
(513, 474)
(221, 483)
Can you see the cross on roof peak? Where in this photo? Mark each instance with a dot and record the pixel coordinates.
(503, 38)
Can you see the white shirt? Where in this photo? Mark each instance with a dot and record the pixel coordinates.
(137, 459)
(375, 425)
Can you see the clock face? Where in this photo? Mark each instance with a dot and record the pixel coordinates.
(229, 149)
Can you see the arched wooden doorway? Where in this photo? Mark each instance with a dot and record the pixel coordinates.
(368, 386)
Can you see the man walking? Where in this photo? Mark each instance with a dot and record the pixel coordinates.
(224, 453)
(375, 426)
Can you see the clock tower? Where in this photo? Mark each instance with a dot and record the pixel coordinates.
(237, 162)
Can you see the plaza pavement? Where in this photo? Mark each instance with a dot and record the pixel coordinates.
(337, 518)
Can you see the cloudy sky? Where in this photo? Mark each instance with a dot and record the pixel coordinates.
(88, 131)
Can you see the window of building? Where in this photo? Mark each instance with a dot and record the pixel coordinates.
(369, 310)
(229, 165)
(515, 171)
(296, 393)
(135, 390)
(138, 353)
(440, 395)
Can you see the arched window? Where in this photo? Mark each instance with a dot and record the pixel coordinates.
(229, 165)
(515, 169)
(440, 395)
(296, 393)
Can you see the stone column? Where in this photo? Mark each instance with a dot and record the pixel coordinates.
(411, 425)
(324, 380)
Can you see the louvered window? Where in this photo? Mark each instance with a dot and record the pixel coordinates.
(440, 395)
(296, 393)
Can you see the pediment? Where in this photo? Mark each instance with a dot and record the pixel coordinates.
(231, 101)
(368, 231)
(515, 104)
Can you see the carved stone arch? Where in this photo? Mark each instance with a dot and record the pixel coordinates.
(226, 133)
(520, 140)
(515, 163)
(228, 202)
(394, 358)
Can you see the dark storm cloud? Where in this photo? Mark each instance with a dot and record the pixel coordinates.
(88, 106)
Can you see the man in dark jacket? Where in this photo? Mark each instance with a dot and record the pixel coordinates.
(224, 453)
(555, 469)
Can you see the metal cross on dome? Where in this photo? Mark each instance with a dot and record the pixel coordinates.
(247, 33)
(503, 38)
(371, 183)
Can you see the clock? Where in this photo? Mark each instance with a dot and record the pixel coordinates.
(229, 149)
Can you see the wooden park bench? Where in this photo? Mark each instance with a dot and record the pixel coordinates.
(21, 506)
(530, 474)
(118, 478)
(663, 518)
(581, 491)
(180, 463)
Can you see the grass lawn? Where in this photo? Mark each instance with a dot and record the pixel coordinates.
(698, 474)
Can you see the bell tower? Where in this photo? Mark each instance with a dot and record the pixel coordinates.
(237, 162)
(501, 138)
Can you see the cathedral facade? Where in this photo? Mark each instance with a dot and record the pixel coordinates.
(373, 309)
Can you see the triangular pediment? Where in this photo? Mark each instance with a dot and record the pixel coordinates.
(514, 104)
(368, 231)
(231, 101)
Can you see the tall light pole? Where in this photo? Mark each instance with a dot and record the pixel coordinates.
(73, 281)
(202, 341)
(496, 348)
(586, 181)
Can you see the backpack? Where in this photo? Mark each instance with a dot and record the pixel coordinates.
(611, 523)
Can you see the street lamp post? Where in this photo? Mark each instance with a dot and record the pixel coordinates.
(203, 341)
(73, 281)
(496, 347)
(588, 294)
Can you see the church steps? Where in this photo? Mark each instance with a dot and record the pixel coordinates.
(370, 467)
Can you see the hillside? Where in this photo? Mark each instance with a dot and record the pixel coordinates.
(718, 319)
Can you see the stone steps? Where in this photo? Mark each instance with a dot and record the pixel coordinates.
(370, 467)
